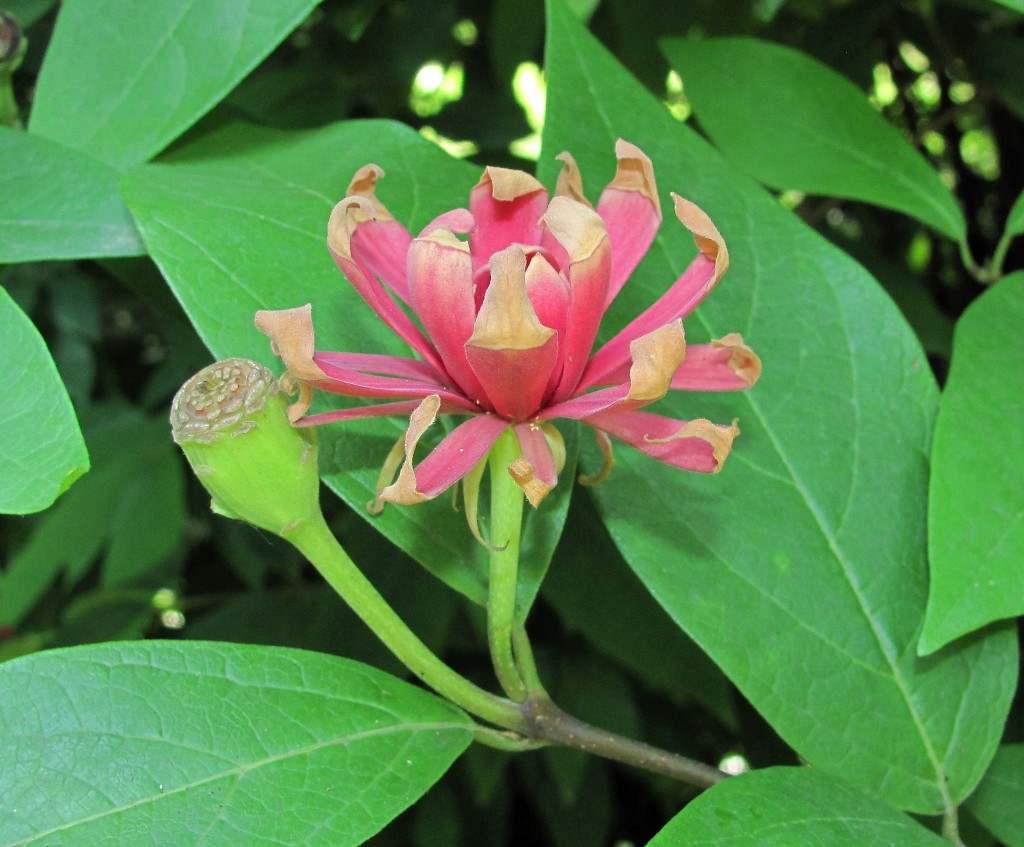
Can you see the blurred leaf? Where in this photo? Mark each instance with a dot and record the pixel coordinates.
(786, 807)
(122, 80)
(41, 448)
(182, 742)
(822, 135)
(130, 505)
(999, 801)
(976, 502)
(1016, 5)
(27, 12)
(803, 562)
(237, 224)
(584, 820)
(59, 203)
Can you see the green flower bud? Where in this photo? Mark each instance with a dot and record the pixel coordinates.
(231, 422)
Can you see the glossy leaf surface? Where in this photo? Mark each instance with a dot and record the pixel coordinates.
(167, 743)
(793, 123)
(37, 462)
(59, 203)
(122, 80)
(999, 801)
(800, 568)
(976, 507)
(784, 807)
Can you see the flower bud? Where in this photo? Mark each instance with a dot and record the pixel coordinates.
(231, 421)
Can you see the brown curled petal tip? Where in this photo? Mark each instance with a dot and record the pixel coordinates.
(577, 227)
(706, 235)
(635, 172)
(346, 216)
(719, 437)
(509, 184)
(656, 357)
(745, 363)
(534, 489)
(570, 182)
(403, 490)
(364, 184)
(291, 337)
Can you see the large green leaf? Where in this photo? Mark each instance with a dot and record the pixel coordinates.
(1015, 220)
(41, 448)
(976, 507)
(59, 203)
(999, 801)
(785, 807)
(169, 743)
(800, 568)
(122, 80)
(240, 225)
(792, 122)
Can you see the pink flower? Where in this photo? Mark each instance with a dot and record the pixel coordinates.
(504, 324)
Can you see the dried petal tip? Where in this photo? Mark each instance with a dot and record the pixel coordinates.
(231, 423)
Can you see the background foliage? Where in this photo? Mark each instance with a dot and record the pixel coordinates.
(172, 171)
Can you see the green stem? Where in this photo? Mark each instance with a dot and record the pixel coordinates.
(506, 527)
(315, 541)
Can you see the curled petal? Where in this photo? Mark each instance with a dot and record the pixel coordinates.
(697, 445)
(511, 352)
(581, 233)
(726, 364)
(685, 294)
(570, 183)
(506, 205)
(536, 470)
(604, 444)
(362, 225)
(631, 212)
(655, 358)
(291, 337)
(706, 235)
(451, 460)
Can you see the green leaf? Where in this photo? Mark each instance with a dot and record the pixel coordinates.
(1016, 5)
(800, 568)
(168, 743)
(131, 506)
(121, 80)
(976, 505)
(59, 203)
(793, 123)
(41, 448)
(785, 807)
(238, 224)
(999, 801)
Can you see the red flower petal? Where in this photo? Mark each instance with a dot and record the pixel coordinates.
(697, 445)
(506, 205)
(631, 211)
(452, 459)
(511, 352)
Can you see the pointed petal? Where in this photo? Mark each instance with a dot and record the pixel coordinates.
(536, 470)
(376, 363)
(655, 356)
(351, 383)
(682, 298)
(291, 337)
(381, 410)
(631, 211)
(697, 445)
(726, 364)
(581, 232)
(375, 236)
(570, 183)
(441, 291)
(507, 206)
(452, 459)
(346, 215)
(511, 352)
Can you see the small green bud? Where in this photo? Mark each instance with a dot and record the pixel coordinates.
(231, 421)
